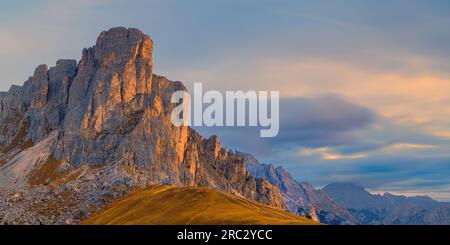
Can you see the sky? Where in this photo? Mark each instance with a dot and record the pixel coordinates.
(364, 85)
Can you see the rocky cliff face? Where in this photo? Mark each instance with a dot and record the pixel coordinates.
(87, 132)
(300, 198)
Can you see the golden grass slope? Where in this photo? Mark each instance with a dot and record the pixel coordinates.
(190, 205)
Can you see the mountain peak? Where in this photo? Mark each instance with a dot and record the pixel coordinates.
(118, 45)
(40, 70)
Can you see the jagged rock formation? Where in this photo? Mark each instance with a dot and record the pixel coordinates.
(387, 208)
(86, 132)
(300, 198)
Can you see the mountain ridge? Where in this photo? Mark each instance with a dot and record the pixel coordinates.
(371, 208)
(300, 198)
(327, 205)
(193, 205)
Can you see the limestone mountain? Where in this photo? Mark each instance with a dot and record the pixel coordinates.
(76, 136)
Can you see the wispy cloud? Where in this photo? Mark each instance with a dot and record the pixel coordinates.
(407, 146)
(331, 156)
(328, 154)
(442, 134)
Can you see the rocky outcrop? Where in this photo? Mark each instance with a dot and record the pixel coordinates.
(300, 198)
(109, 119)
(11, 113)
(41, 102)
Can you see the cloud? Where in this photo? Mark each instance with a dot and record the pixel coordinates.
(328, 154)
(43, 32)
(442, 134)
(406, 146)
(313, 151)
(331, 156)
(409, 168)
(326, 120)
(321, 120)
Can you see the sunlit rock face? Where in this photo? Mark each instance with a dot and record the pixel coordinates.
(109, 118)
(108, 97)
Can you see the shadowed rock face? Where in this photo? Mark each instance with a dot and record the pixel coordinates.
(42, 100)
(111, 111)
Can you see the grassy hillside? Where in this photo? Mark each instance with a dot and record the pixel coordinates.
(190, 205)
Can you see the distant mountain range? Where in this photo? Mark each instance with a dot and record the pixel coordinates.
(77, 137)
(388, 209)
(348, 203)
